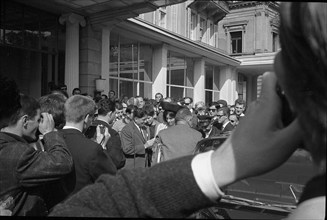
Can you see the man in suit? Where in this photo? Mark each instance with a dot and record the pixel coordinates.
(90, 161)
(181, 139)
(135, 139)
(106, 114)
(223, 119)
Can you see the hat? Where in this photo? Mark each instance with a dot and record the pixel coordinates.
(222, 102)
(167, 106)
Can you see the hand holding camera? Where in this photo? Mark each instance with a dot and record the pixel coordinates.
(102, 136)
(46, 124)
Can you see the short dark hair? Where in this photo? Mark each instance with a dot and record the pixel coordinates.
(240, 102)
(225, 111)
(168, 113)
(54, 104)
(29, 107)
(118, 105)
(139, 113)
(105, 106)
(76, 89)
(149, 109)
(130, 109)
(9, 95)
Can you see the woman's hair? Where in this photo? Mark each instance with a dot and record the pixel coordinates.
(303, 37)
(168, 113)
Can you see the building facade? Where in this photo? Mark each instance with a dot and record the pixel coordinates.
(207, 50)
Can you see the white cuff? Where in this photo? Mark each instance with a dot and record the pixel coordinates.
(202, 171)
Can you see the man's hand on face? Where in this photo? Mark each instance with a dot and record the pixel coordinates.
(46, 124)
(259, 143)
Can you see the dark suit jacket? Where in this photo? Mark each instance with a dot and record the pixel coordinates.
(89, 159)
(166, 190)
(133, 145)
(228, 127)
(114, 149)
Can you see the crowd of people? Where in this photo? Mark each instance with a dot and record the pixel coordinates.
(133, 157)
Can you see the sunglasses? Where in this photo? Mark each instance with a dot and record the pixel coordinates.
(212, 110)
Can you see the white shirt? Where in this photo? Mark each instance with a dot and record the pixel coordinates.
(314, 208)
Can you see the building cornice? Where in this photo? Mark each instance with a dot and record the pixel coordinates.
(247, 4)
(150, 30)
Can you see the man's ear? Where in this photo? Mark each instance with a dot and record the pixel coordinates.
(86, 119)
(24, 120)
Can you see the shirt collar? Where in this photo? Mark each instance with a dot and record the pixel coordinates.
(71, 127)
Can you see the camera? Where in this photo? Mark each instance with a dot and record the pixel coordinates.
(287, 115)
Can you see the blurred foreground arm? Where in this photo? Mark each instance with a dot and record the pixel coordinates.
(251, 152)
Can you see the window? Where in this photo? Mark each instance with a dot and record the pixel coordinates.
(211, 83)
(162, 17)
(179, 76)
(203, 29)
(275, 42)
(241, 88)
(212, 34)
(130, 67)
(193, 26)
(236, 41)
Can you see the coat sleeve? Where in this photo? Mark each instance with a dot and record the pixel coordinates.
(38, 167)
(129, 142)
(100, 163)
(165, 190)
(115, 151)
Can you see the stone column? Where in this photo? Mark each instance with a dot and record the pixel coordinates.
(105, 57)
(259, 27)
(228, 84)
(159, 70)
(199, 81)
(72, 22)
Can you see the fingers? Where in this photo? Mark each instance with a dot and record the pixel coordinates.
(268, 90)
(292, 135)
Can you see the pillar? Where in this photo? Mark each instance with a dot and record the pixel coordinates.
(199, 80)
(228, 84)
(72, 22)
(105, 57)
(159, 70)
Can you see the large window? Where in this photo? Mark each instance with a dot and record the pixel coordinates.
(203, 29)
(241, 87)
(211, 83)
(275, 42)
(180, 79)
(31, 50)
(236, 41)
(130, 67)
(193, 26)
